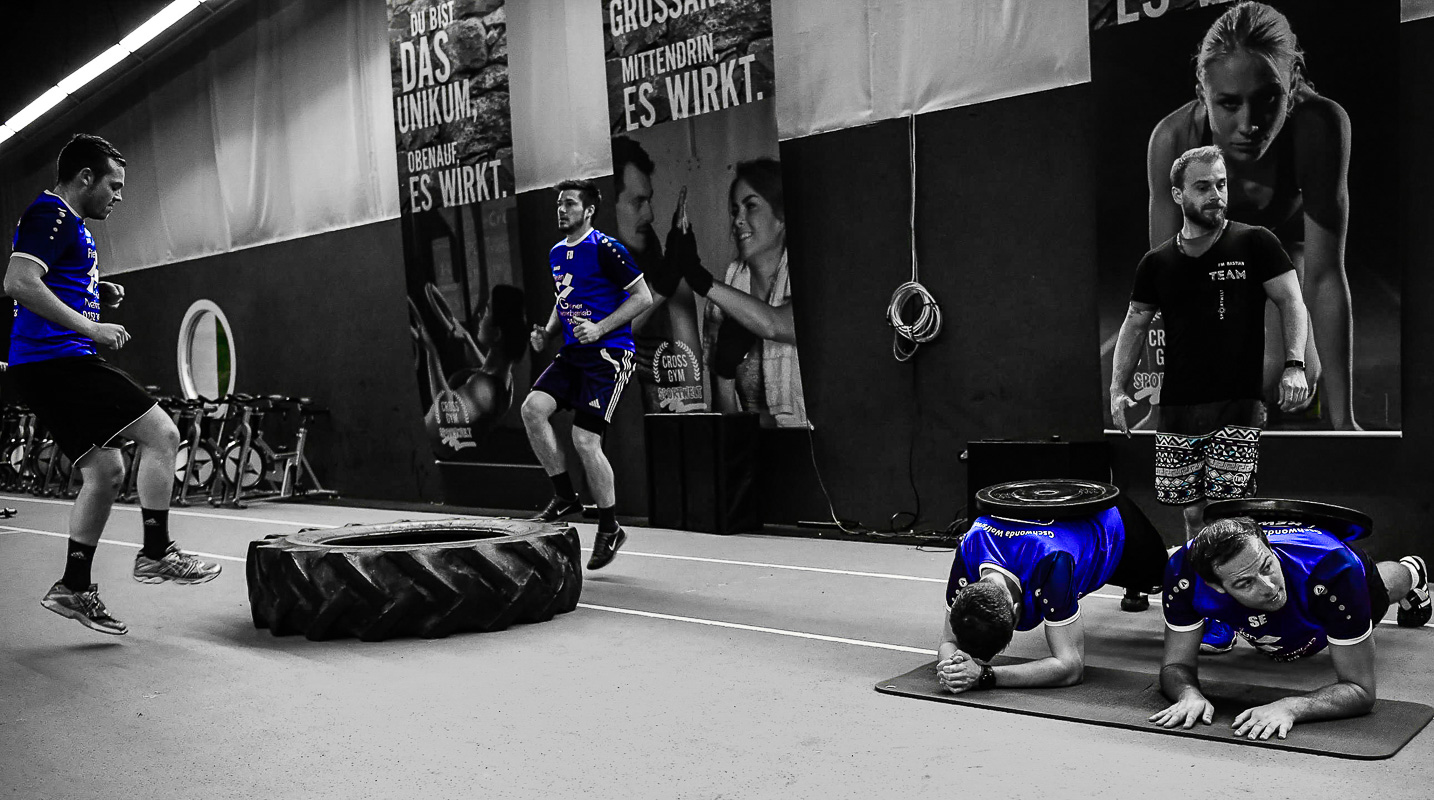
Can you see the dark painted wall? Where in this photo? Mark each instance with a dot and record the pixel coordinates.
(321, 316)
(1006, 245)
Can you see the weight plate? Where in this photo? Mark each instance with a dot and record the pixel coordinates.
(1344, 523)
(1046, 498)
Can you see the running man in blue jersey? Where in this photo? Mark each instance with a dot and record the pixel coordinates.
(1013, 575)
(87, 404)
(1289, 591)
(600, 291)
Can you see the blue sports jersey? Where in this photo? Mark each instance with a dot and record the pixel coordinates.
(1327, 597)
(52, 235)
(1055, 563)
(592, 279)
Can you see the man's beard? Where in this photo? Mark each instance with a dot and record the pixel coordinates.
(1209, 219)
(566, 227)
(644, 242)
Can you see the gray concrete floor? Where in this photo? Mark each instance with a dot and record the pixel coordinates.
(196, 703)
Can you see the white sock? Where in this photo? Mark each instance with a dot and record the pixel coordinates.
(1413, 574)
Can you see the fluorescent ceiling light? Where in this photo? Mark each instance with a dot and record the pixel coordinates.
(156, 25)
(32, 112)
(97, 67)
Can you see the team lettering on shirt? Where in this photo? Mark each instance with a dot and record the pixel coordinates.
(1230, 274)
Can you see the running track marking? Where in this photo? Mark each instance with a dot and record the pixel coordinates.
(759, 629)
(179, 512)
(13, 529)
(885, 575)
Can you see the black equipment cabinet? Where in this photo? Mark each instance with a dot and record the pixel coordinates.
(702, 472)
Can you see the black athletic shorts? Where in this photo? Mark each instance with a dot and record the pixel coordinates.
(84, 401)
(588, 380)
(1379, 599)
(1143, 557)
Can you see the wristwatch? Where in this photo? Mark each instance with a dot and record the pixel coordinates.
(987, 679)
(1296, 363)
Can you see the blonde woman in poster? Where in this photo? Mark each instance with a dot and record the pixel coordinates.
(1287, 149)
(750, 339)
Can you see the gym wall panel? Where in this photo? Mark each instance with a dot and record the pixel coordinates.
(842, 63)
(273, 124)
(1006, 241)
(314, 317)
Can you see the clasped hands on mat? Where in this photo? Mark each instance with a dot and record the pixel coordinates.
(1291, 584)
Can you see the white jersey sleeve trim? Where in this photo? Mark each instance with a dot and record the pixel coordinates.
(634, 282)
(1003, 571)
(62, 200)
(1184, 628)
(1356, 640)
(36, 259)
(1064, 622)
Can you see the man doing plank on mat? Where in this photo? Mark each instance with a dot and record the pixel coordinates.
(1012, 575)
(1289, 591)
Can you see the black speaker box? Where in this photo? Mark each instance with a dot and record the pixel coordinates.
(701, 472)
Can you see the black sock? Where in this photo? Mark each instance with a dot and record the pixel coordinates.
(77, 566)
(563, 486)
(156, 532)
(607, 519)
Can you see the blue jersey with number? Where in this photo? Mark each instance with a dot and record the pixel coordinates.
(1055, 563)
(592, 279)
(52, 235)
(1327, 598)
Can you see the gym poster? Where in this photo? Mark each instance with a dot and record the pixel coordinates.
(698, 186)
(1143, 75)
(459, 216)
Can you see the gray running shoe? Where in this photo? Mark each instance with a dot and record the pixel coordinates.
(83, 607)
(176, 566)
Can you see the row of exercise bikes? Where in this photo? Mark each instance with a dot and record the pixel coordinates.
(224, 456)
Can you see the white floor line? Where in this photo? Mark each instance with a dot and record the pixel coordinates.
(759, 629)
(13, 529)
(791, 567)
(174, 512)
(795, 568)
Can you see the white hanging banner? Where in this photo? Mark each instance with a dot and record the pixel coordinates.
(843, 63)
(272, 127)
(1410, 10)
(559, 95)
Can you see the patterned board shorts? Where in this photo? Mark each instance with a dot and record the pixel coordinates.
(1214, 466)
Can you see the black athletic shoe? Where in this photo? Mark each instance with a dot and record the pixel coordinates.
(606, 547)
(1134, 601)
(1415, 608)
(558, 508)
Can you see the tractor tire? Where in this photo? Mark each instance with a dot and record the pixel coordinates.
(428, 578)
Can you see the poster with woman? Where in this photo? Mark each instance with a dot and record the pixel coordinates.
(1298, 96)
(699, 203)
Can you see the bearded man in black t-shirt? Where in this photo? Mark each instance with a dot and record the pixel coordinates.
(1210, 283)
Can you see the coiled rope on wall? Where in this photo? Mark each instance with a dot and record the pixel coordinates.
(909, 336)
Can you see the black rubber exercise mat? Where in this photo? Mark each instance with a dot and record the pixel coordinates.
(1124, 699)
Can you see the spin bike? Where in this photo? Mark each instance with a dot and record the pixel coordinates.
(251, 469)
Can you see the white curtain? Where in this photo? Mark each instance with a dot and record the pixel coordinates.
(277, 124)
(1410, 10)
(559, 92)
(843, 63)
